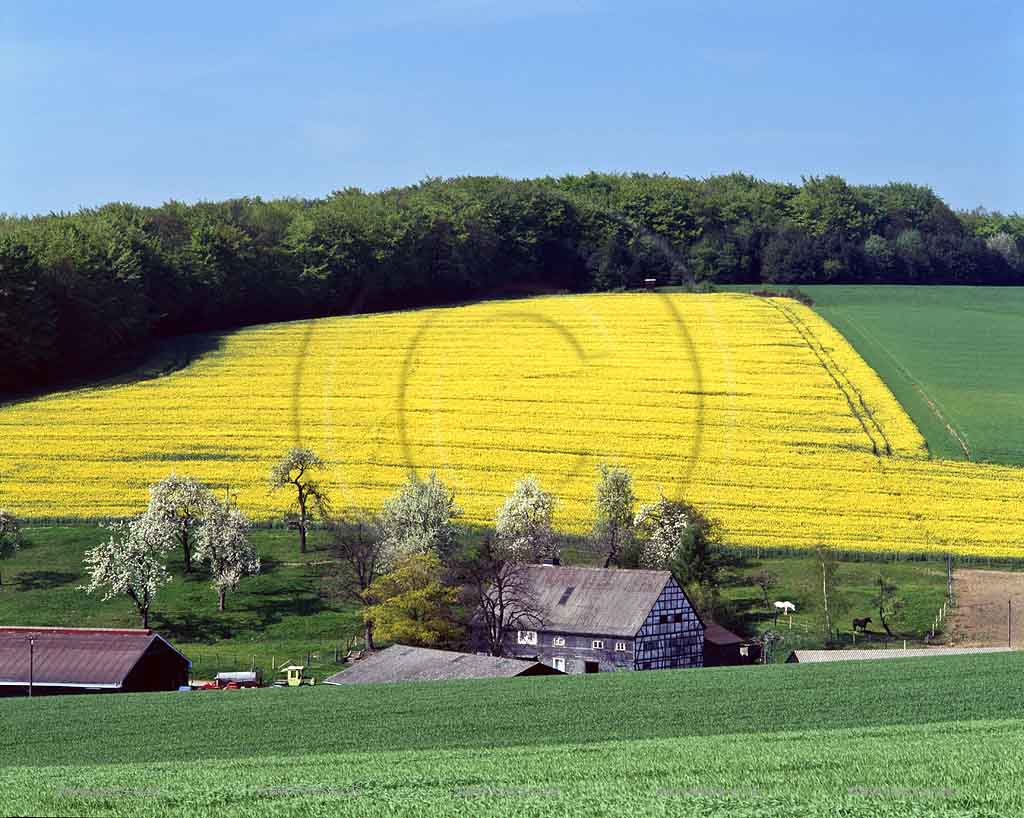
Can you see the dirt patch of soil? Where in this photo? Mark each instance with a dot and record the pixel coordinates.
(987, 602)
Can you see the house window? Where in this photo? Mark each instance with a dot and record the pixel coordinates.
(663, 619)
(558, 641)
(620, 646)
(597, 644)
(558, 663)
(677, 617)
(744, 650)
(527, 637)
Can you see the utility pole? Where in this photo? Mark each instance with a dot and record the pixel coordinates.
(31, 664)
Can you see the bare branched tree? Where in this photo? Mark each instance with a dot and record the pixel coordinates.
(765, 580)
(296, 470)
(358, 546)
(500, 597)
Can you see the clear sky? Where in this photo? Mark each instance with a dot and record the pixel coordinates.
(144, 102)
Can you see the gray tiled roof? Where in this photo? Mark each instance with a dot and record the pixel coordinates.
(599, 601)
(402, 663)
(815, 656)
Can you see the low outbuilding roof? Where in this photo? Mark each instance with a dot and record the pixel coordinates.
(717, 635)
(816, 656)
(73, 657)
(594, 601)
(403, 663)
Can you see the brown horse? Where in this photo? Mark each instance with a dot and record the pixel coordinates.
(861, 624)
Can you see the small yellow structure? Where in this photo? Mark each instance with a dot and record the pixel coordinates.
(295, 676)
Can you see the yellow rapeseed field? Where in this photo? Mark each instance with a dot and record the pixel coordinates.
(754, 409)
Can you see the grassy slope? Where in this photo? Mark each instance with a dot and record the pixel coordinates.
(277, 615)
(922, 586)
(281, 614)
(955, 347)
(938, 736)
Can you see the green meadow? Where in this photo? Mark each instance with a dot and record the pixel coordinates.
(903, 737)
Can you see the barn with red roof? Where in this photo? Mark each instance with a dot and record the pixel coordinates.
(88, 660)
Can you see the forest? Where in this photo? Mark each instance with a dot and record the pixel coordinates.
(80, 292)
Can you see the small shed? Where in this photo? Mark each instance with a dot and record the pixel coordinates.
(403, 663)
(723, 647)
(811, 657)
(88, 660)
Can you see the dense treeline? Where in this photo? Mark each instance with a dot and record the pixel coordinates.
(77, 290)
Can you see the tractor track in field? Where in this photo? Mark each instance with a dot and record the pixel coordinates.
(864, 415)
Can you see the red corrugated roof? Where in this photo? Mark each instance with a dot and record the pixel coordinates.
(72, 657)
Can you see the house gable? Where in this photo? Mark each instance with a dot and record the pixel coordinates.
(672, 635)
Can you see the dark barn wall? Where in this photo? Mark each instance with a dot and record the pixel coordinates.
(728, 655)
(672, 635)
(160, 668)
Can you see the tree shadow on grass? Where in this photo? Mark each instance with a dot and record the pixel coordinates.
(43, 580)
(191, 628)
(272, 607)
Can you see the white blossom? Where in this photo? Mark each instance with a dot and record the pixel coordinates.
(180, 503)
(223, 544)
(131, 562)
(662, 526)
(523, 524)
(418, 519)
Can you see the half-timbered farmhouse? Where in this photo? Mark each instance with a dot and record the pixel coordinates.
(602, 619)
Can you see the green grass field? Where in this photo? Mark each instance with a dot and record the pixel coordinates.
(950, 355)
(931, 737)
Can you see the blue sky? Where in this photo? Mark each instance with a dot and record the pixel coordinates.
(145, 102)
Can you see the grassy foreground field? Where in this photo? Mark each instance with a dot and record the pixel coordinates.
(931, 737)
(756, 410)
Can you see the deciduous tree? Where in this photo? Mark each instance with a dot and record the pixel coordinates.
(675, 536)
(765, 580)
(10, 537)
(131, 563)
(827, 566)
(358, 546)
(223, 544)
(180, 503)
(887, 601)
(412, 604)
(419, 519)
(297, 471)
(523, 525)
(498, 596)
(615, 508)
